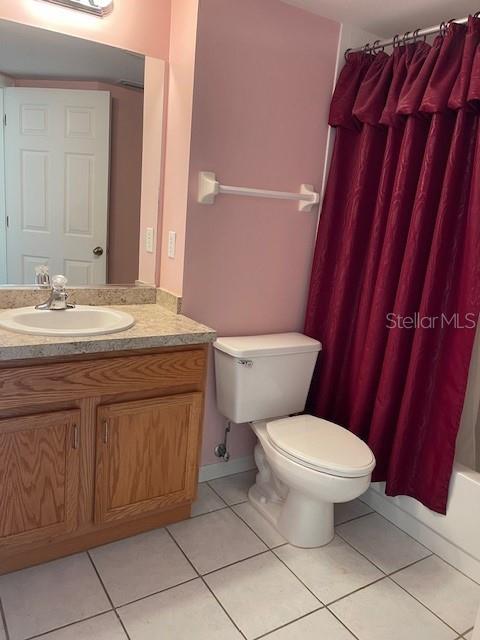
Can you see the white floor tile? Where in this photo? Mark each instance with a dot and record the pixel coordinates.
(383, 611)
(51, 595)
(187, 612)
(259, 524)
(104, 627)
(320, 625)
(207, 500)
(216, 539)
(139, 566)
(382, 542)
(448, 593)
(234, 489)
(261, 594)
(345, 511)
(332, 571)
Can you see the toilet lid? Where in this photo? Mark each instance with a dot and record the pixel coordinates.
(322, 445)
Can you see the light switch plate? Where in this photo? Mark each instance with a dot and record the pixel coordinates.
(149, 239)
(172, 239)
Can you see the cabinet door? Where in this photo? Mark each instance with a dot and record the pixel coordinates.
(39, 474)
(147, 453)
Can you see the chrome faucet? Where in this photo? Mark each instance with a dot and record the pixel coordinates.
(58, 296)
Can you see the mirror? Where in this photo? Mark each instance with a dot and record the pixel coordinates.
(70, 158)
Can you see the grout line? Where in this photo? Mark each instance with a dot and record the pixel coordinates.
(253, 530)
(365, 586)
(4, 620)
(394, 525)
(232, 564)
(70, 624)
(385, 573)
(456, 569)
(425, 606)
(287, 624)
(206, 585)
(410, 564)
(234, 504)
(362, 515)
(199, 515)
(108, 595)
(120, 622)
(299, 579)
(362, 554)
(342, 623)
(155, 593)
(223, 608)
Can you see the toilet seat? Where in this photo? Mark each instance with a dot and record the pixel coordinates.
(321, 445)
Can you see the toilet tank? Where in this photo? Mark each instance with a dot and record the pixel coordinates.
(264, 376)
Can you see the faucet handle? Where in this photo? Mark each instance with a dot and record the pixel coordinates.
(59, 282)
(42, 277)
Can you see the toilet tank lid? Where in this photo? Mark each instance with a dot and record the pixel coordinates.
(272, 344)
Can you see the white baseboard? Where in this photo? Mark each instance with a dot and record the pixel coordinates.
(444, 548)
(220, 469)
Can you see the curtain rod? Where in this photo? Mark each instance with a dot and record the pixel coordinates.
(407, 36)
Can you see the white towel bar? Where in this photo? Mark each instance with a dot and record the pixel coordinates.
(209, 188)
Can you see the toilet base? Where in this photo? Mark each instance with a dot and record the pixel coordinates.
(303, 522)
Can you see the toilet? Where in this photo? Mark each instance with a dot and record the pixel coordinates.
(305, 464)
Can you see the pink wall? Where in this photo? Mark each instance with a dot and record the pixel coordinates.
(125, 172)
(183, 35)
(137, 26)
(263, 79)
(152, 155)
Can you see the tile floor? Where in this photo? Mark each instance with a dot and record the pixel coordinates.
(226, 574)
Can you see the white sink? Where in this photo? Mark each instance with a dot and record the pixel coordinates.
(80, 321)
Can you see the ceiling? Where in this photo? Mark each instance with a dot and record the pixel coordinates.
(32, 52)
(386, 17)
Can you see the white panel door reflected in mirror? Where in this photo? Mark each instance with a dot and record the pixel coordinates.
(57, 148)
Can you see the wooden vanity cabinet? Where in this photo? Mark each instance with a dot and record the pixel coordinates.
(96, 449)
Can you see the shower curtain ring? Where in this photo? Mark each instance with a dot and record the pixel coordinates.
(405, 37)
(376, 45)
(416, 36)
(444, 27)
(396, 40)
(366, 49)
(476, 14)
(347, 53)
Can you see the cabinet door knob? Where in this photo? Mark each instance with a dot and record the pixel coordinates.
(98, 251)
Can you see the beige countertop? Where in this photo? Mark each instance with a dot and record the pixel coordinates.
(154, 327)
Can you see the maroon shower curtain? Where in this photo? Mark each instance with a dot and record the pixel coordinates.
(395, 288)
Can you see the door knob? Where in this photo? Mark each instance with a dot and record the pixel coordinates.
(98, 251)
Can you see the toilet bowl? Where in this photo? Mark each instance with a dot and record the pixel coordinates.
(305, 464)
(297, 496)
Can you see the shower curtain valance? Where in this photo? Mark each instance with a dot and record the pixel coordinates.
(417, 78)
